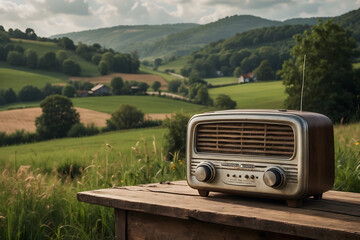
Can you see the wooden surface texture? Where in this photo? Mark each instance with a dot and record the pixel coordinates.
(336, 216)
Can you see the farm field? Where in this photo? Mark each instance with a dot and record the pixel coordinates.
(176, 65)
(221, 80)
(166, 76)
(147, 78)
(17, 78)
(18, 119)
(266, 95)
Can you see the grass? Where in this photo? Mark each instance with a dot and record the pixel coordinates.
(177, 65)
(221, 80)
(356, 65)
(108, 104)
(38, 204)
(17, 78)
(148, 70)
(39, 181)
(266, 95)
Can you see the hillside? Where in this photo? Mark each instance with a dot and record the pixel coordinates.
(126, 38)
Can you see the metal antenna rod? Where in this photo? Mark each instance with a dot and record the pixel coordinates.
(302, 85)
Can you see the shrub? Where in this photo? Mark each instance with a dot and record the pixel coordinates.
(15, 58)
(17, 137)
(175, 138)
(103, 68)
(71, 68)
(30, 93)
(31, 58)
(156, 85)
(80, 130)
(223, 101)
(174, 85)
(127, 116)
(116, 84)
(69, 91)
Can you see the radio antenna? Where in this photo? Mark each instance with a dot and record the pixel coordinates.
(302, 85)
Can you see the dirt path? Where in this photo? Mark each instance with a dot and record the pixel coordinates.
(18, 119)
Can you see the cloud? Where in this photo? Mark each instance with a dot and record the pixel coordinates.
(72, 7)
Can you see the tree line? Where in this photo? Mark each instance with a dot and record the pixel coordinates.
(107, 60)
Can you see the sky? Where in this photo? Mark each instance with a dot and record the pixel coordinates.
(49, 17)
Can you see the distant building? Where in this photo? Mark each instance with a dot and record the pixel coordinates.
(82, 93)
(99, 90)
(245, 78)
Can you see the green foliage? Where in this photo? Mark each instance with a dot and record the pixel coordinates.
(202, 96)
(103, 67)
(174, 85)
(48, 61)
(4, 38)
(30, 93)
(49, 89)
(175, 137)
(31, 58)
(58, 116)
(264, 71)
(61, 55)
(67, 43)
(223, 101)
(96, 58)
(15, 58)
(330, 87)
(71, 68)
(127, 116)
(69, 91)
(17, 137)
(10, 96)
(116, 84)
(80, 130)
(156, 85)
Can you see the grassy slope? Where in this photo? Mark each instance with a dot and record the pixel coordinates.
(221, 80)
(80, 150)
(254, 95)
(18, 77)
(148, 70)
(87, 68)
(176, 65)
(108, 104)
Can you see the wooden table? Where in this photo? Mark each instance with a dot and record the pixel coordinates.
(175, 211)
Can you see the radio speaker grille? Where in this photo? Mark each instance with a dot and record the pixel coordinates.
(246, 138)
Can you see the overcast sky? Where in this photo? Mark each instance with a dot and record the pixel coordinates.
(48, 17)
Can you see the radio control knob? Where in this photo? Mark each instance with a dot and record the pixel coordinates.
(274, 177)
(205, 172)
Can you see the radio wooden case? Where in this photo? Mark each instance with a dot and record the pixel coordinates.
(267, 153)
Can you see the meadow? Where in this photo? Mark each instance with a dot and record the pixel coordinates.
(17, 78)
(108, 104)
(39, 182)
(266, 95)
(177, 64)
(221, 80)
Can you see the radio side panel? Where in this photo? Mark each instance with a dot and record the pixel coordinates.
(321, 153)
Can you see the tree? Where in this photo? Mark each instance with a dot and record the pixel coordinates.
(10, 96)
(69, 91)
(96, 58)
(264, 71)
(48, 61)
(31, 58)
(157, 63)
(143, 86)
(175, 137)
(61, 55)
(156, 85)
(103, 67)
(330, 87)
(15, 58)
(174, 85)
(30, 93)
(71, 68)
(127, 116)
(58, 116)
(116, 85)
(30, 33)
(108, 57)
(223, 101)
(67, 43)
(203, 97)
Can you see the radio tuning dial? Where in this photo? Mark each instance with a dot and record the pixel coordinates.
(274, 177)
(205, 172)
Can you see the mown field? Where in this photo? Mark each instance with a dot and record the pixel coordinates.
(221, 80)
(176, 65)
(268, 95)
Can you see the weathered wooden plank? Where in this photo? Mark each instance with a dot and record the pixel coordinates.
(120, 224)
(332, 218)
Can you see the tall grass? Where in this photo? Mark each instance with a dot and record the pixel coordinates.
(36, 205)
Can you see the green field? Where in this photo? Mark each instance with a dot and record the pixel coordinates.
(221, 80)
(165, 76)
(17, 78)
(88, 69)
(108, 104)
(267, 95)
(177, 65)
(82, 151)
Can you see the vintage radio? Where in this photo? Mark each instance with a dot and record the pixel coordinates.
(267, 153)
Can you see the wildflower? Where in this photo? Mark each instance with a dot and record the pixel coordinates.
(357, 143)
(122, 181)
(180, 162)
(172, 166)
